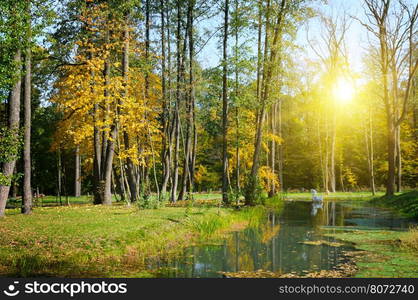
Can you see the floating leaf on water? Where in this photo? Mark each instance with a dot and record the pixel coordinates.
(322, 242)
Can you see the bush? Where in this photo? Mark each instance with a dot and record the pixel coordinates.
(253, 192)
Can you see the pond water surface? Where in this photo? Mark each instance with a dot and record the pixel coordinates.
(279, 246)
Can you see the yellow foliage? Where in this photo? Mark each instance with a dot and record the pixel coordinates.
(273, 137)
(88, 100)
(268, 178)
(200, 174)
(350, 177)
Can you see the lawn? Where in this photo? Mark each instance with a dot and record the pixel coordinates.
(91, 241)
(202, 197)
(51, 200)
(85, 240)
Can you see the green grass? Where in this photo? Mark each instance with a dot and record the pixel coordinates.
(83, 240)
(51, 200)
(406, 203)
(385, 253)
(100, 241)
(364, 196)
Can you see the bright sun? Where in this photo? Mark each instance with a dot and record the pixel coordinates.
(343, 91)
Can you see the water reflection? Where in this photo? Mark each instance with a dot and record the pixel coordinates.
(277, 245)
(315, 207)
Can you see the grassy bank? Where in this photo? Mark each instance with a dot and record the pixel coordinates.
(406, 203)
(383, 253)
(386, 253)
(87, 240)
(364, 196)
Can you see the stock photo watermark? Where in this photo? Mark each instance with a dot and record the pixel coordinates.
(61, 288)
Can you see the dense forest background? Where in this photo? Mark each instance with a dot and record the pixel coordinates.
(117, 97)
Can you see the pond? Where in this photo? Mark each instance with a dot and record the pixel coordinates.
(286, 243)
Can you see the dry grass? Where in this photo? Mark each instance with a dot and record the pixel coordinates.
(410, 240)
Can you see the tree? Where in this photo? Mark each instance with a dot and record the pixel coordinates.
(225, 184)
(27, 187)
(395, 49)
(13, 127)
(12, 24)
(269, 63)
(334, 60)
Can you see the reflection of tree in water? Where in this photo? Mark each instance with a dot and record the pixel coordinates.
(275, 245)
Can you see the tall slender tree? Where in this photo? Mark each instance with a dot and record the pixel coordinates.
(13, 128)
(27, 165)
(225, 184)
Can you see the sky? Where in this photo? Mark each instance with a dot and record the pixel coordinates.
(356, 36)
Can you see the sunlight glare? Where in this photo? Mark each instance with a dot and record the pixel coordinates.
(343, 91)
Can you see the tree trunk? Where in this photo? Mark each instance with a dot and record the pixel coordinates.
(326, 159)
(107, 178)
(14, 186)
(105, 128)
(259, 53)
(190, 90)
(27, 187)
(391, 142)
(332, 176)
(272, 191)
(341, 172)
(122, 178)
(225, 108)
(192, 121)
(194, 148)
(173, 195)
(237, 104)
(280, 146)
(368, 134)
(108, 139)
(372, 184)
(238, 161)
(125, 74)
(64, 177)
(59, 169)
(77, 177)
(171, 114)
(13, 126)
(398, 160)
(97, 157)
(371, 149)
(165, 114)
(147, 41)
(320, 152)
